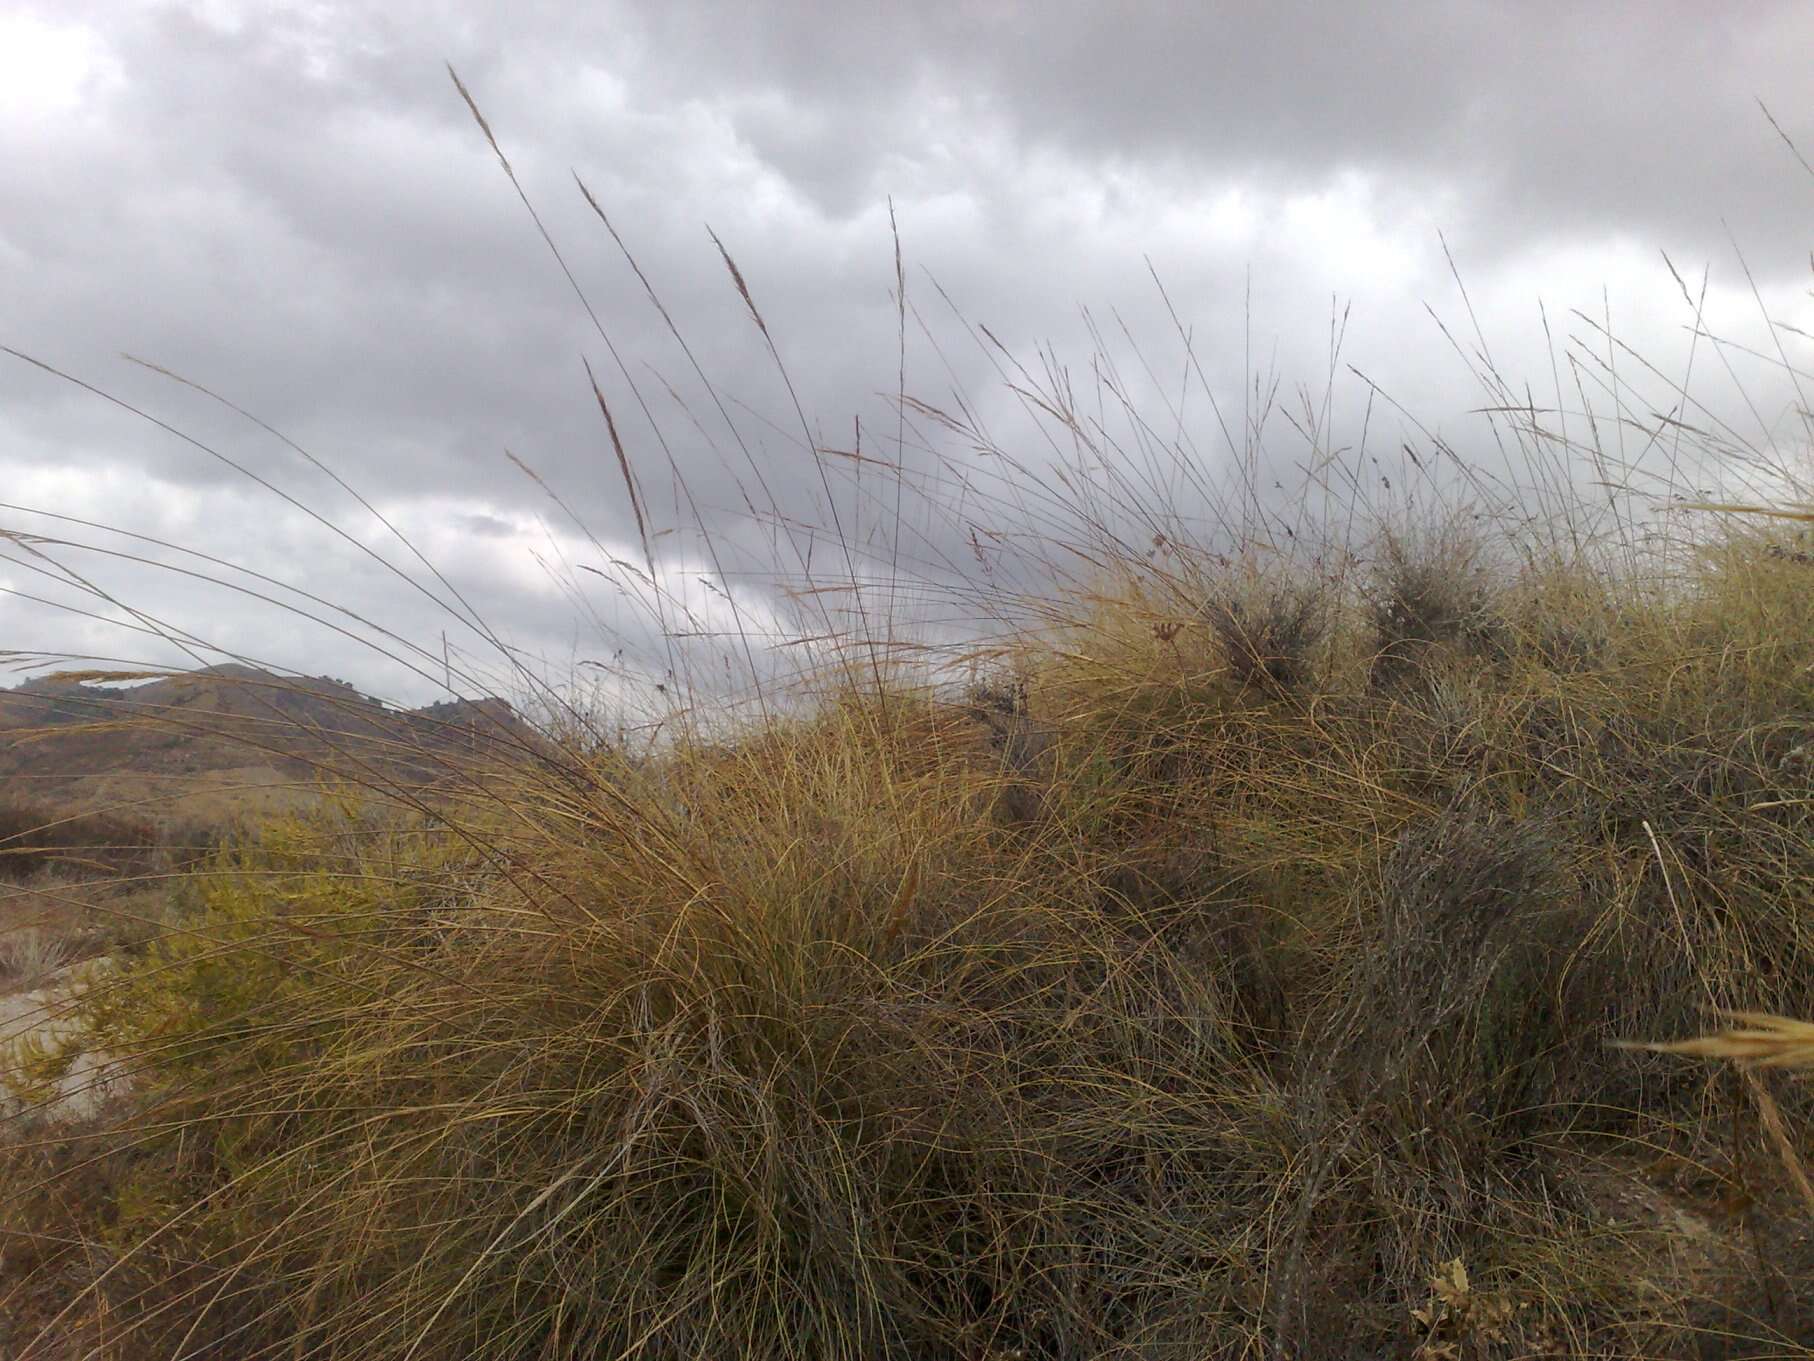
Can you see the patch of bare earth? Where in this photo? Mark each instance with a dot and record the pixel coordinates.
(1728, 1249)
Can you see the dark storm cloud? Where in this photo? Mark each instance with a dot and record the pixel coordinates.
(1549, 116)
(291, 204)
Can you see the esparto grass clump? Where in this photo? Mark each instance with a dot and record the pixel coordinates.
(1251, 1012)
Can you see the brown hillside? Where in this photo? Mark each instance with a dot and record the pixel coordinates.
(231, 732)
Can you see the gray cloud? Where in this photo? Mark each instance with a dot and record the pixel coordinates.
(291, 205)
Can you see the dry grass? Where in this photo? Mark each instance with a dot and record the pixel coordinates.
(1125, 1007)
(36, 837)
(1216, 960)
(29, 957)
(1759, 1040)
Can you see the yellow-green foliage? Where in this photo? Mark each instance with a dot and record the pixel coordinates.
(286, 920)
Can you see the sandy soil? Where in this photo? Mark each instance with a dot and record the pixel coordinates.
(42, 1015)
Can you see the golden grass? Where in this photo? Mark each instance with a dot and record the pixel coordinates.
(1759, 1040)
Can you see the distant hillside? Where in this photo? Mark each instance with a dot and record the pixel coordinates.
(230, 728)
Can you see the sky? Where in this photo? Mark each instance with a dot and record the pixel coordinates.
(291, 207)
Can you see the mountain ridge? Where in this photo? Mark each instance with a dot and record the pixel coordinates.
(65, 738)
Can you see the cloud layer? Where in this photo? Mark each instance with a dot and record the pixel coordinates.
(292, 205)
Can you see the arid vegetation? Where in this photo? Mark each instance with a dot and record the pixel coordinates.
(1251, 956)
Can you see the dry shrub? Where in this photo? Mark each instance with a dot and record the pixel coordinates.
(1462, 1008)
(1430, 592)
(60, 1189)
(35, 837)
(1238, 1031)
(24, 848)
(1271, 637)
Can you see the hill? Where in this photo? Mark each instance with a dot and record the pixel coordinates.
(229, 733)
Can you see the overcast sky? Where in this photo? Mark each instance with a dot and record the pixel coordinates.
(291, 205)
